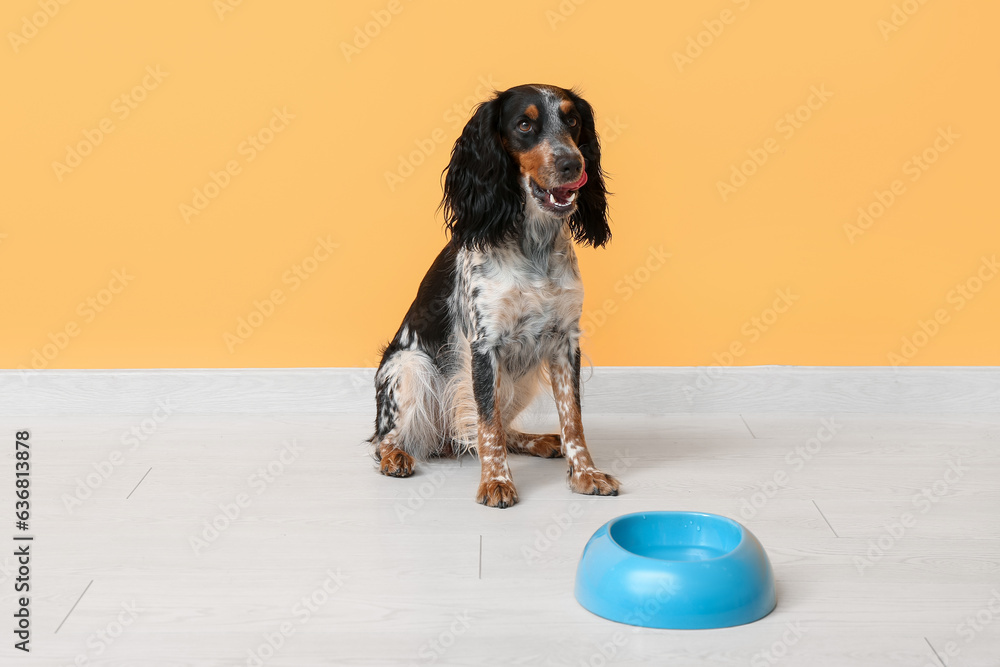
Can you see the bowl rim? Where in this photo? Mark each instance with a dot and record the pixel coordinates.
(739, 526)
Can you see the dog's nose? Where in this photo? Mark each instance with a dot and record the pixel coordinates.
(569, 167)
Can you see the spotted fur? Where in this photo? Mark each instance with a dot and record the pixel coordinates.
(496, 318)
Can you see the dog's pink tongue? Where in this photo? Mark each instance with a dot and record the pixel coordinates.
(564, 190)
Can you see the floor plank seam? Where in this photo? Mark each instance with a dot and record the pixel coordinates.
(137, 484)
(74, 606)
(936, 654)
(825, 519)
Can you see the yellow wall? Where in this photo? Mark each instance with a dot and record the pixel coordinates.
(169, 94)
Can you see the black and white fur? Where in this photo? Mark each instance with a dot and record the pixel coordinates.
(497, 315)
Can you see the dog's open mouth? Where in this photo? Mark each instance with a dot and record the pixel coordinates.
(560, 199)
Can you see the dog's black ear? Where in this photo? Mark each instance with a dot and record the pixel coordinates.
(483, 201)
(590, 221)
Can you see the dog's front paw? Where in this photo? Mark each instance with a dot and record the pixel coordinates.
(593, 482)
(396, 463)
(497, 493)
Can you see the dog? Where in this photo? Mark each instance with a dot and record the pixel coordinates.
(497, 316)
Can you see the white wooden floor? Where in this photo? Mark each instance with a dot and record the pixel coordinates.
(330, 563)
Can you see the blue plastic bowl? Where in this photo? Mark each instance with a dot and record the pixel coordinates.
(677, 570)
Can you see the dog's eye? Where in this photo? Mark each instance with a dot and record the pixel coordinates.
(572, 121)
(524, 126)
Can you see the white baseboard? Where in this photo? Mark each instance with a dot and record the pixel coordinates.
(625, 390)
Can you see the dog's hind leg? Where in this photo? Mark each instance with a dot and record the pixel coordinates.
(408, 425)
(547, 446)
(393, 461)
(523, 391)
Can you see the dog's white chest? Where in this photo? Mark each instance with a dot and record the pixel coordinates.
(516, 299)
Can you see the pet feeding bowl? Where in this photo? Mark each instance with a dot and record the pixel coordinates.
(678, 570)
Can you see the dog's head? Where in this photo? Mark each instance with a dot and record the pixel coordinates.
(529, 150)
